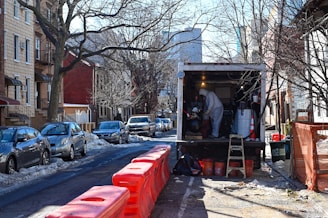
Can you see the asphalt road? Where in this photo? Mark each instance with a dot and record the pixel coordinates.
(40, 197)
(266, 194)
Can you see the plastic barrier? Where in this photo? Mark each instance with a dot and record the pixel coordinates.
(157, 161)
(99, 201)
(310, 146)
(137, 178)
(165, 150)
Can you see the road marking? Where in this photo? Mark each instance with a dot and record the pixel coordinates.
(184, 203)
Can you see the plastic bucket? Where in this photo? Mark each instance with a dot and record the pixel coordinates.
(275, 137)
(208, 167)
(249, 165)
(234, 173)
(219, 169)
(278, 151)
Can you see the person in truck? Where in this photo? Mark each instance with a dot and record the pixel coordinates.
(213, 109)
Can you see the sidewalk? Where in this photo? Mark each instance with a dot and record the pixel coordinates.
(268, 193)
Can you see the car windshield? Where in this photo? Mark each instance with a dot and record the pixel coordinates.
(7, 135)
(138, 120)
(109, 125)
(158, 120)
(55, 129)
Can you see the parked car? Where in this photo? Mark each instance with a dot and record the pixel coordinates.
(159, 125)
(66, 139)
(22, 146)
(170, 123)
(112, 131)
(141, 125)
(166, 125)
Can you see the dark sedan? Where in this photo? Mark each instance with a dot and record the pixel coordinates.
(112, 131)
(22, 146)
(66, 139)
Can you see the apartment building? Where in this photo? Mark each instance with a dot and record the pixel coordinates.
(17, 64)
(43, 66)
(25, 65)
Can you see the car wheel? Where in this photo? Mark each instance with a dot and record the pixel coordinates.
(71, 153)
(127, 140)
(45, 158)
(84, 150)
(11, 166)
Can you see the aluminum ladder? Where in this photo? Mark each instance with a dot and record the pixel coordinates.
(236, 152)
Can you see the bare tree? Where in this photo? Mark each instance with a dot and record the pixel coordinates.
(264, 33)
(131, 20)
(131, 78)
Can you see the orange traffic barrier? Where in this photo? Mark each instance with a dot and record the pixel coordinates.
(137, 178)
(97, 202)
(157, 161)
(164, 150)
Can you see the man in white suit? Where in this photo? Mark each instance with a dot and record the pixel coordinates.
(214, 109)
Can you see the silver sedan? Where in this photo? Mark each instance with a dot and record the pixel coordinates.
(66, 139)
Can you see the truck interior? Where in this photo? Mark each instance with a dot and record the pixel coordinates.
(239, 91)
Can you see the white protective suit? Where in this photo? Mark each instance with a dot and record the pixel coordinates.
(214, 109)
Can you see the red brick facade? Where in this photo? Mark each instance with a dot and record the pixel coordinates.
(78, 82)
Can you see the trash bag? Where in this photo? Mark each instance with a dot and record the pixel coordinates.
(187, 165)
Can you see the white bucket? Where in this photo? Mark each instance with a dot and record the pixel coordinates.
(244, 121)
(255, 98)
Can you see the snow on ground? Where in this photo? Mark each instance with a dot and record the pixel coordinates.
(95, 146)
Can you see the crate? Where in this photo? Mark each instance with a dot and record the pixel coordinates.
(310, 161)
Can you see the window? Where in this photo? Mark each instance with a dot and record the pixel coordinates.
(28, 91)
(16, 9)
(48, 49)
(27, 16)
(49, 91)
(5, 44)
(73, 128)
(21, 134)
(48, 14)
(78, 128)
(37, 48)
(4, 6)
(28, 51)
(31, 134)
(16, 47)
(17, 90)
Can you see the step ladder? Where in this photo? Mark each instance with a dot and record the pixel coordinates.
(236, 152)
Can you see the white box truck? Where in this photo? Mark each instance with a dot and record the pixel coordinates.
(241, 88)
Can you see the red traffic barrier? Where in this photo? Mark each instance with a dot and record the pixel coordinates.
(97, 202)
(137, 178)
(165, 150)
(157, 161)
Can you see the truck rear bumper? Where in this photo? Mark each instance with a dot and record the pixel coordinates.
(217, 149)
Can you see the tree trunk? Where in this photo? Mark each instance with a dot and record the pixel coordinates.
(56, 84)
(54, 97)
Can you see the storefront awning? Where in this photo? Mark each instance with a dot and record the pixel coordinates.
(5, 101)
(40, 77)
(12, 81)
